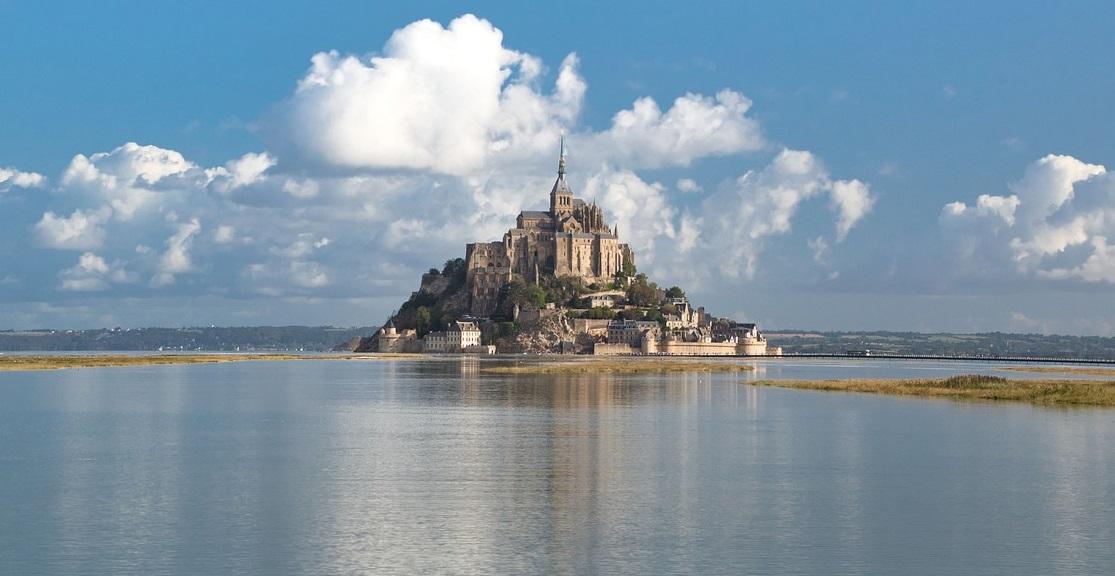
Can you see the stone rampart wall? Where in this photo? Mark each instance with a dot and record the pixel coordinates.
(604, 349)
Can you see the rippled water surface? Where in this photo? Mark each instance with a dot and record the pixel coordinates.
(402, 467)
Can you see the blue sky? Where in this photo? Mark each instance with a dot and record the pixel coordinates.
(878, 115)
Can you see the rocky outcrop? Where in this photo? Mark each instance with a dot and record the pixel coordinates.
(352, 345)
(547, 335)
(367, 344)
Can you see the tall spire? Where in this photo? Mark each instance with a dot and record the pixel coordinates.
(561, 158)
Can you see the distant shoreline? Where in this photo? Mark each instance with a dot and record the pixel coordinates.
(37, 362)
(794, 343)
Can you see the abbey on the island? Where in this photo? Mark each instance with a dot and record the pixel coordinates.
(571, 239)
(613, 311)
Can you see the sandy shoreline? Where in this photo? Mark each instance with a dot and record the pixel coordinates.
(1051, 392)
(31, 362)
(624, 366)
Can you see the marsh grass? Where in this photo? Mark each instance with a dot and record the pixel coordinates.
(1079, 370)
(971, 387)
(623, 366)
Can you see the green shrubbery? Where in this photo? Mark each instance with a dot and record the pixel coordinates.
(643, 293)
(967, 381)
(425, 312)
(518, 293)
(599, 314)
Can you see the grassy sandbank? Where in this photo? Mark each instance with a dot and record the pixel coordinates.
(623, 366)
(1078, 370)
(971, 387)
(21, 362)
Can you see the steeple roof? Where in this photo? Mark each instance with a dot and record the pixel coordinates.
(560, 186)
(561, 159)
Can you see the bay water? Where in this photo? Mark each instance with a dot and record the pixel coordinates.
(439, 467)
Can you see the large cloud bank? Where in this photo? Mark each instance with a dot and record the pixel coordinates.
(379, 166)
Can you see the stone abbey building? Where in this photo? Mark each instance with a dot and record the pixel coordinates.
(571, 239)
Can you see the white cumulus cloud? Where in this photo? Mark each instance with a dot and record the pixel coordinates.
(763, 203)
(244, 171)
(81, 230)
(1055, 225)
(304, 188)
(1002, 207)
(224, 234)
(688, 185)
(641, 210)
(12, 178)
(694, 127)
(437, 98)
(176, 259)
(93, 273)
(128, 177)
(852, 200)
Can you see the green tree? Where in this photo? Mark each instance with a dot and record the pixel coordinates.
(535, 295)
(563, 290)
(675, 292)
(456, 270)
(507, 329)
(641, 293)
(518, 293)
(422, 320)
(631, 314)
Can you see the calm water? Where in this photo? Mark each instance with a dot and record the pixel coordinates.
(402, 468)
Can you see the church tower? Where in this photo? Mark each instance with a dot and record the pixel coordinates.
(561, 197)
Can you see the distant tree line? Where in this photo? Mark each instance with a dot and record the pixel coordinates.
(227, 339)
